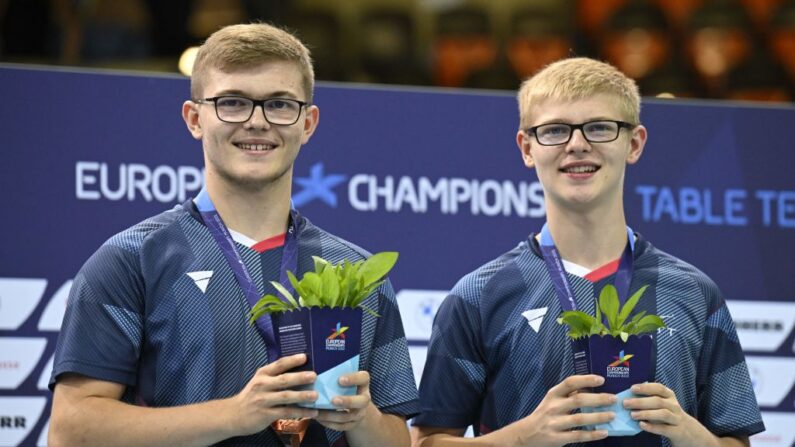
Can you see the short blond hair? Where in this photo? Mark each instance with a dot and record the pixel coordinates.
(248, 45)
(578, 78)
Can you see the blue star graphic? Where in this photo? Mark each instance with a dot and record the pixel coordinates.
(317, 186)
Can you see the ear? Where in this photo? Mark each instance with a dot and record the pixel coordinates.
(190, 113)
(636, 144)
(524, 141)
(311, 119)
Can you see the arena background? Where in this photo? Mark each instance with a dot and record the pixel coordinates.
(432, 173)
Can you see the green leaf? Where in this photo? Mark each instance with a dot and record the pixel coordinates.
(320, 264)
(624, 336)
(580, 323)
(286, 293)
(370, 311)
(377, 266)
(266, 304)
(331, 287)
(364, 293)
(629, 306)
(649, 324)
(608, 302)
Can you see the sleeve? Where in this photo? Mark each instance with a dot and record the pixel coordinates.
(392, 385)
(101, 334)
(726, 401)
(454, 378)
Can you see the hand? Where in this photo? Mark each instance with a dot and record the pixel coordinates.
(352, 408)
(552, 424)
(659, 412)
(266, 397)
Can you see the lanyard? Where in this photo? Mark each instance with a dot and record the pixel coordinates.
(557, 273)
(225, 242)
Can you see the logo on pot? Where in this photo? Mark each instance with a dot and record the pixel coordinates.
(620, 366)
(336, 341)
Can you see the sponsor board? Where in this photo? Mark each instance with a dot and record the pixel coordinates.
(417, 309)
(762, 326)
(18, 298)
(773, 379)
(18, 416)
(18, 357)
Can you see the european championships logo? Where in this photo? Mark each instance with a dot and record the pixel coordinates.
(620, 367)
(336, 341)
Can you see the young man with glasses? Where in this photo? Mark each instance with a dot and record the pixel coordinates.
(156, 348)
(499, 361)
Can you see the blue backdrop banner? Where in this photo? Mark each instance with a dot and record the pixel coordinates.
(433, 174)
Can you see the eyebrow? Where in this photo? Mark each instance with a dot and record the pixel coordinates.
(562, 121)
(276, 94)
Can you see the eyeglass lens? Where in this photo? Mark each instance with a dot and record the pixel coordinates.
(239, 109)
(594, 131)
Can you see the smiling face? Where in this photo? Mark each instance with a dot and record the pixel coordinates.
(580, 175)
(255, 154)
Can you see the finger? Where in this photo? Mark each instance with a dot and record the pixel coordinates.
(283, 364)
(569, 437)
(286, 380)
(650, 403)
(351, 402)
(652, 389)
(576, 420)
(574, 383)
(287, 397)
(658, 429)
(360, 378)
(587, 400)
(655, 416)
(338, 416)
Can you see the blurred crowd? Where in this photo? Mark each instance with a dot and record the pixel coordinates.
(732, 49)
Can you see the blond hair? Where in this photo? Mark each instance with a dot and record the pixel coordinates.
(579, 78)
(248, 45)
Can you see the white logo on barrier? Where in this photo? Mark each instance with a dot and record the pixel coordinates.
(18, 357)
(18, 416)
(779, 431)
(451, 195)
(18, 298)
(772, 377)
(762, 325)
(535, 317)
(52, 317)
(201, 279)
(417, 308)
(94, 181)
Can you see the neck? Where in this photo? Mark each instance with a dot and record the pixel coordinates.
(589, 239)
(259, 213)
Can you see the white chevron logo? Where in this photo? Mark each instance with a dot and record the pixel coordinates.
(201, 279)
(535, 317)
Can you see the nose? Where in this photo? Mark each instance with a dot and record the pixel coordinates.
(258, 120)
(577, 142)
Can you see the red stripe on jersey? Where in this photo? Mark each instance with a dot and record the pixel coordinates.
(603, 271)
(267, 244)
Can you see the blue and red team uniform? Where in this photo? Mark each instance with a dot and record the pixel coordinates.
(488, 367)
(136, 317)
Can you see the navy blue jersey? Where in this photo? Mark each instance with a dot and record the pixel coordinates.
(488, 367)
(158, 309)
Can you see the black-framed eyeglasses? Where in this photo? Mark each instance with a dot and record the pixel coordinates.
(239, 109)
(599, 131)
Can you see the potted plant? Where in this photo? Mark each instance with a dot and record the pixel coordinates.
(325, 321)
(619, 351)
